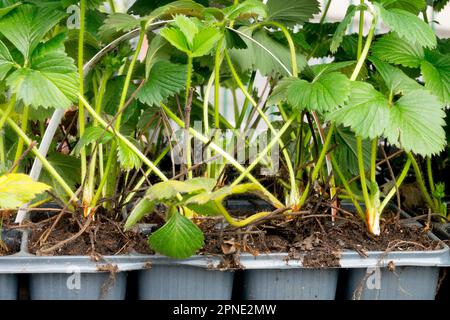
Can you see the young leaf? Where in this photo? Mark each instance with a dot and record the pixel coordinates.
(205, 41)
(436, 73)
(342, 27)
(408, 26)
(396, 50)
(92, 135)
(18, 189)
(292, 12)
(178, 238)
(127, 158)
(26, 25)
(416, 123)
(326, 93)
(187, 26)
(165, 80)
(366, 112)
(6, 61)
(176, 38)
(346, 151)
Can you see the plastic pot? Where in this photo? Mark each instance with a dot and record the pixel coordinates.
(184, 282)
(9, 285)
(78, 286)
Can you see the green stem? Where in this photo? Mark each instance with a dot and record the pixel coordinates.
(349, 191)
(8, 111)
(294, 196)
(430, 175)
(262, 153)
(111, 171)
(128, 143)
(188, 77)
(373, 159)
(362, 172)
(41, 158)
(288, 37)
(245, 105)
(318, 165)
(81, 118)
(360, 33)
(24, 127)
(87, 195)
(112, 5)
(398, 183)
(217, 62)
(421, 184)
(223, 153)
(147, 173)
(241, 223)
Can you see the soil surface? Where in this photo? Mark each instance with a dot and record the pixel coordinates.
(310, 236)
(102, 236)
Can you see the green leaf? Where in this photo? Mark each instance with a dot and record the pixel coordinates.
(279, 93)
(143, 208)
(396, 80)
(169, 189)
(155, 53)
(413, 6)
(6, 61)
(127, 158)
(292, 12)
(342, 27)
(366, 112)
(436, 73)
(326, 93)
(92, 135)
(18, 189)
(246, 10)
(5, 10)
(205, 41)
(118, 22)
(26, 25)
(170, 10)
(165, 80)
(346, 151)
(416, 123)
(51, 80)
(408, 26)
(187, 26)
(178, 238)
(176, 38)
(233, 40)
(396, 50)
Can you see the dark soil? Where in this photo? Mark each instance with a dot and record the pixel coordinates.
(313, 238)
(9, 238)
(103, 236)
